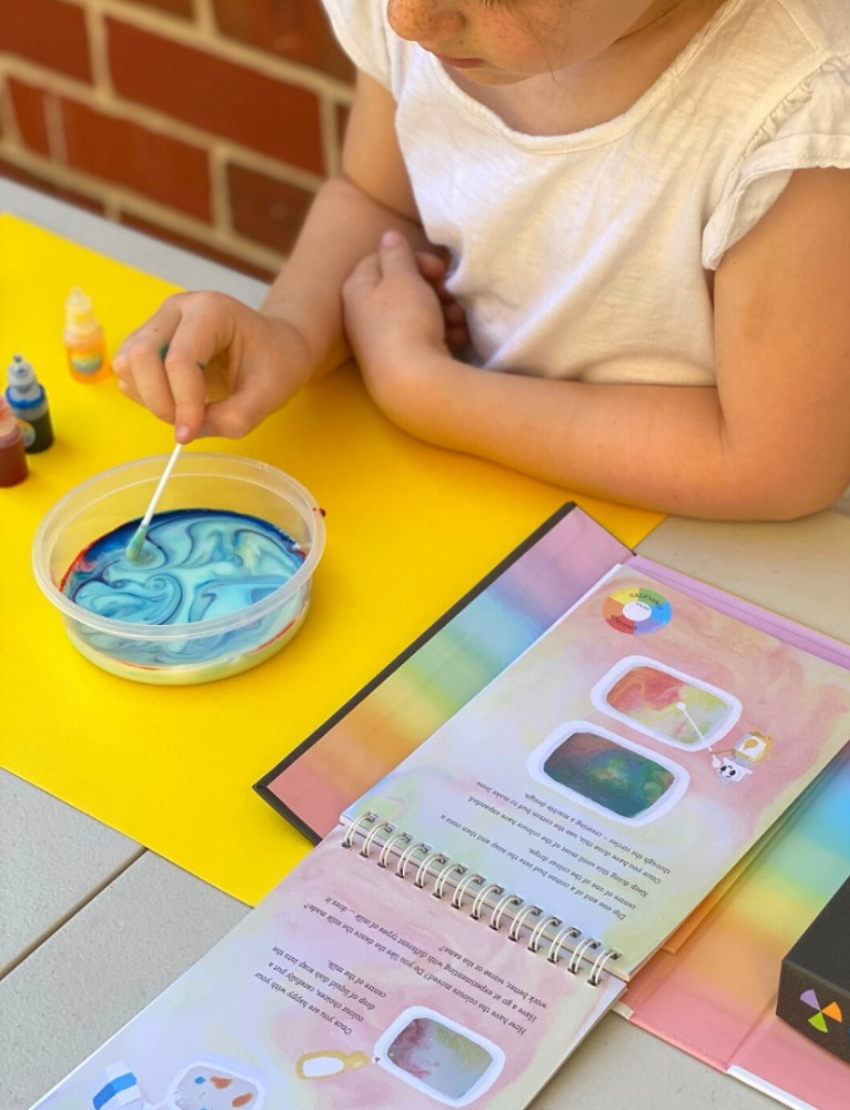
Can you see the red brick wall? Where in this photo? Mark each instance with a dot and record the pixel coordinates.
(209, 122)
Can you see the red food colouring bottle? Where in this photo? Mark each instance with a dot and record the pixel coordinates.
(13, 459)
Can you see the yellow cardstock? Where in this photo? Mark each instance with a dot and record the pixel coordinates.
(410, 528)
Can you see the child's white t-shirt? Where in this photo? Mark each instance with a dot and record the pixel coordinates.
(591, 255)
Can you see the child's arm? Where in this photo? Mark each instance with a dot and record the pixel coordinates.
(256, 360)
(771, 441)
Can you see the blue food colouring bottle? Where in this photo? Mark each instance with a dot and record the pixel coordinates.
(28, 404)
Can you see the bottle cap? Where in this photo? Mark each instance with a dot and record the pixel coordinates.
(79, 314)
(21, 377)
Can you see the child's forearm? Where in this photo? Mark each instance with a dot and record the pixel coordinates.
(660, 447)
(344, 224)
(769, 441)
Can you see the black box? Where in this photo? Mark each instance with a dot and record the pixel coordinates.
(814, 985)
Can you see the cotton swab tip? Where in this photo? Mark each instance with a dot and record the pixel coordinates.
(134, 547)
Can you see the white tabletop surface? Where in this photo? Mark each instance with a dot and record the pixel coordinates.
(93, 926)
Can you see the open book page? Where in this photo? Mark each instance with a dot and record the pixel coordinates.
(454, 659)
(348, 987)
(622, 765)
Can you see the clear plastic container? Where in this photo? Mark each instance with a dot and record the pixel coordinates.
(205, 650)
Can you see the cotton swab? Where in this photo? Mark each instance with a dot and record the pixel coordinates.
(134, 547)
(680, 705)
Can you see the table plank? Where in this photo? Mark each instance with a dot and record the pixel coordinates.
(52, 860)
(100, 968)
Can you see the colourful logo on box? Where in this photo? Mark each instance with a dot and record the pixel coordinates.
(823, 1014)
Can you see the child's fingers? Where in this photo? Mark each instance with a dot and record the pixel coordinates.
(236, 415)
(139, 366)
(396, 255)
(453, 313)
(188, 388)
(364, 277)
(431, 267)
(161, 364)
(457, 337)
(434, 269)
(206, 329)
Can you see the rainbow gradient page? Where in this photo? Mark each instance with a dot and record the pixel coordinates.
(347, 988)
(729, 1020)
(440, 674)
(620, 767)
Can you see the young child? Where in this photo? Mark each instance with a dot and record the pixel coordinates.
(645, 206)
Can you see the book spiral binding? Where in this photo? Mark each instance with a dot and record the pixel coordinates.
(525, 920)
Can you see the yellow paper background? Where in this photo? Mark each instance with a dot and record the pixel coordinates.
(410, 529)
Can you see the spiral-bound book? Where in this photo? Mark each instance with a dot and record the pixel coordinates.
(472, 916)
(728, 1022)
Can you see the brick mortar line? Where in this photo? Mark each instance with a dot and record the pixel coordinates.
(264, 164)
(220, 192)
(98, 55)
(52, 82)
(169, 219)
(230, 243)
(111, 209)
(205, 16)
(7, 112)
(54, 130)
(194, 35)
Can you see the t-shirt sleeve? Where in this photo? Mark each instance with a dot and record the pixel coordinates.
(362, 33)
(809, 129)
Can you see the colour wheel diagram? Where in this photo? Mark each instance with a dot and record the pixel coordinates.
(636, 611)
(823, 1014)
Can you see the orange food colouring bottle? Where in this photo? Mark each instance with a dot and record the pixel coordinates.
(84, 340)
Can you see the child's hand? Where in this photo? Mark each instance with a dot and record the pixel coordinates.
(211, 366)
(433, 268)
(397, 308)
